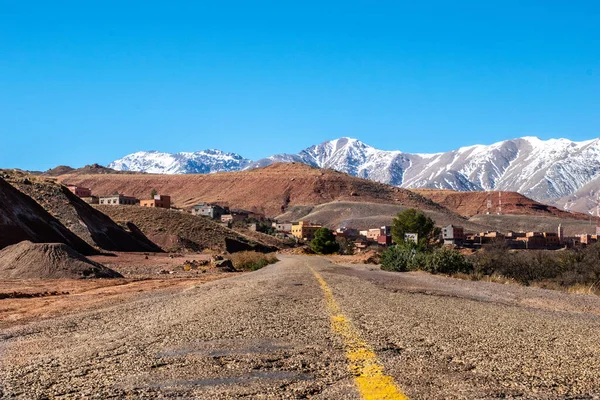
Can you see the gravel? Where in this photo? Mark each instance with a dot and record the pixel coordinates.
(267, 334)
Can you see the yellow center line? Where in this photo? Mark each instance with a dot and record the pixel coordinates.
(368, 373)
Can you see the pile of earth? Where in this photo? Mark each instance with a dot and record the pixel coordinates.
(22, 218)
(94, 227)
(27, 260)
(176, 230)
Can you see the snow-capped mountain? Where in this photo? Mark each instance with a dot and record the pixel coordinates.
(543, 170)
(200, 162)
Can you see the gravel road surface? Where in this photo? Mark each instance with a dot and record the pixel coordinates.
(270, 334)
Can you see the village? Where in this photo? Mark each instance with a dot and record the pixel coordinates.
(304, 231)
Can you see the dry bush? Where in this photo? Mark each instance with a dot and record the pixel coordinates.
(251, 260)
(576, 271)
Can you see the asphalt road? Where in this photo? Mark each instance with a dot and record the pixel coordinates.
(305, 328)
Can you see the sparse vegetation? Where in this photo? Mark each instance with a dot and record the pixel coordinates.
(251, 260)
(576, 270)
(411, 257)
(324, 242)
(346, 246)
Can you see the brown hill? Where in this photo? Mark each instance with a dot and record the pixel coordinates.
(270, 190)
(369, 215)
(176, 230)
(88, 169)
(89, 224)
(27, 260)
(21, 218)
(469, 204)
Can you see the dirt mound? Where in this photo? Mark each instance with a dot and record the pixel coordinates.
(79, 217)
(21, 218)
(469, 204)
(270, 190)
(177, 230)
(27, 260)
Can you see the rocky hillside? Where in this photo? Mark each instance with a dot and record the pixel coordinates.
(89, 224)
(469, 204)
(270, 190)
(22, 218)
(177, 230)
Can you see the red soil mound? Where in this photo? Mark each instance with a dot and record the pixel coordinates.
(27, 260)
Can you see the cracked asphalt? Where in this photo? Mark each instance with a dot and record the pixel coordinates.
(268, 334)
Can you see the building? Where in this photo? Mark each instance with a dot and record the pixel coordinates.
(384, 240)
(285, 227)
(80, 191)
(159, 201)
(347, 232)
(361, 245)
(453, 235)
(587, 239)
(552, 239)
(304, 230)
(209, 210)
(118, 199)
(373, 234)
(230, 218)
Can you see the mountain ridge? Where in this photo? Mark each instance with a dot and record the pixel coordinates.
(550, 171)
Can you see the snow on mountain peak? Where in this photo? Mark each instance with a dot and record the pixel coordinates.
(541, 169)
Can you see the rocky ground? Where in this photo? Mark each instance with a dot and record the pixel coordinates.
(269, 334)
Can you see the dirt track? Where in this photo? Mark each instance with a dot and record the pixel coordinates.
(268, 334)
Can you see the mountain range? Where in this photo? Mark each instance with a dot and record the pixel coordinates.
(556, 171)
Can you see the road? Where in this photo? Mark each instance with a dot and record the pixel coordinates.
(306, 328)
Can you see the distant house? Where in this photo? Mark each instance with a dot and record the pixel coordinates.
(453, 235)
(213, 211)
(118, 199)
(284, 227)
(80, 191)
(304, 230)
(159, 201)
(384, 240)
(373, 234)
(347, 232)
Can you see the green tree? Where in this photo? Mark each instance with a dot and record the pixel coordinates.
(414, 221)
(324, 242)
(153, 193)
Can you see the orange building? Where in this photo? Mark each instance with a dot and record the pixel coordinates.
(158, 201)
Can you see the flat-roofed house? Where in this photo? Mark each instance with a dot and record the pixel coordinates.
(80, 191)
(158, 201)
(304, 230)
(118, 199)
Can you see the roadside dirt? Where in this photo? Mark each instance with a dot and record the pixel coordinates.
(155, 274)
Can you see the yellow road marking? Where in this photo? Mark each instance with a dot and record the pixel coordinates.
(370, 380)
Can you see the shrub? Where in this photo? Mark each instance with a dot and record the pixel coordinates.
(447, 261)
(409, 257)
(346, 246)
(397, 258)
(324, 242)
(251, 260)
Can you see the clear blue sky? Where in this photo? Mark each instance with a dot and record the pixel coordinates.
(91, 81)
